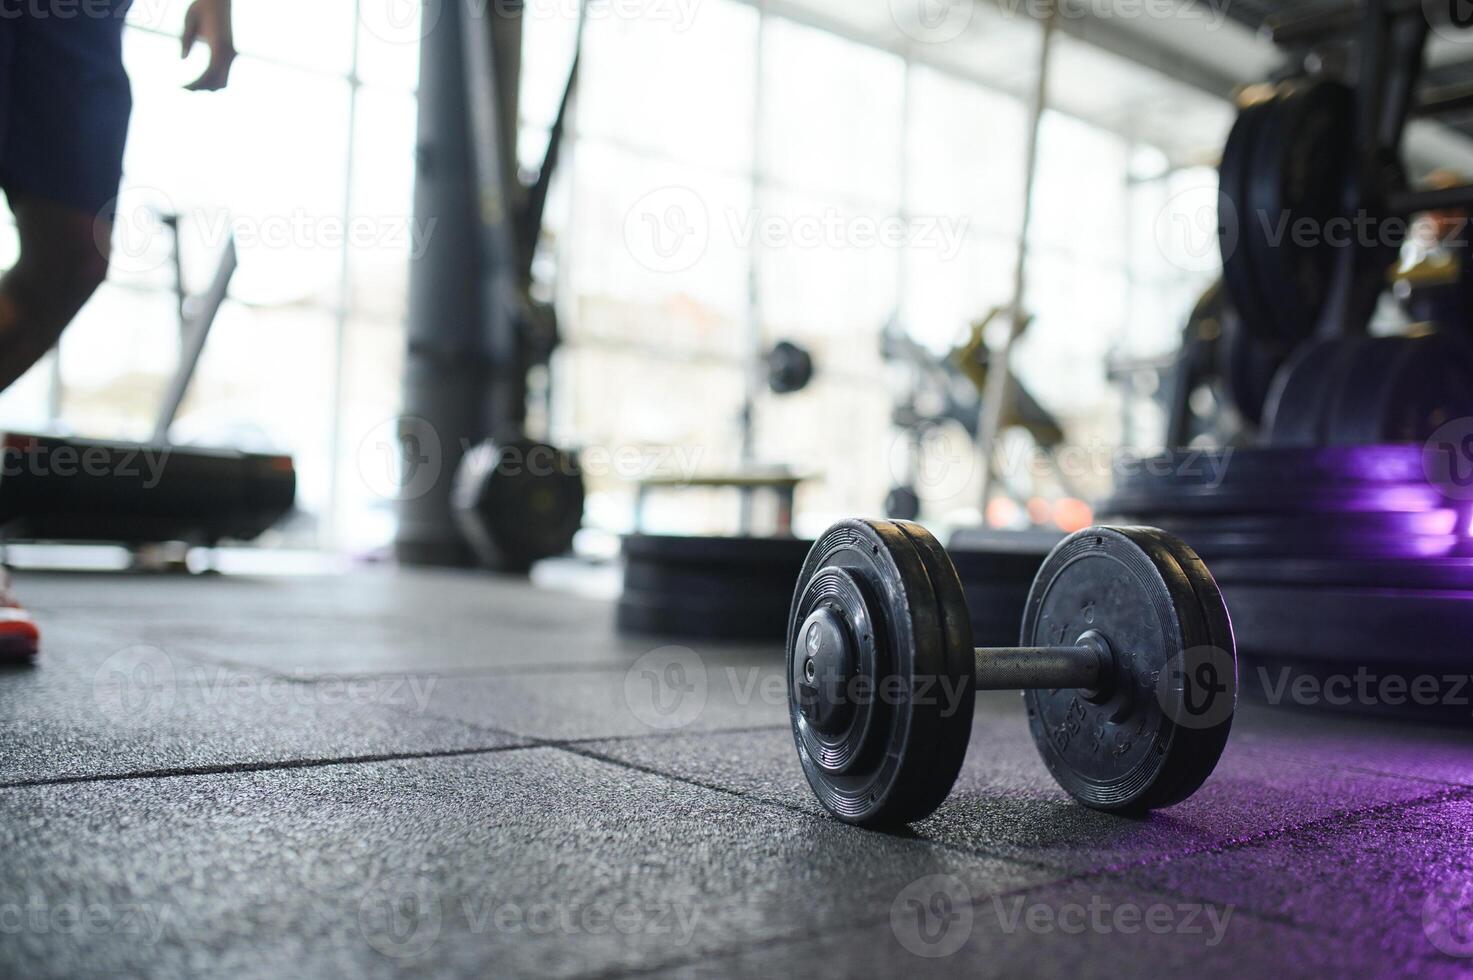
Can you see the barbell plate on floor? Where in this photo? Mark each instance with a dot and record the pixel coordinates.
(1348, 631)
(1453, 574)
(996, 569)
(1312, 502)
(708, 587)
(867, 616)
(758, 553)
(1154, 734)
(1390, 534)
(1270, 467)
(700, 618)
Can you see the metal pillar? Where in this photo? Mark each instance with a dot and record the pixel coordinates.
(446, 367)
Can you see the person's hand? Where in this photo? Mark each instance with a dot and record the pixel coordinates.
(209, 21)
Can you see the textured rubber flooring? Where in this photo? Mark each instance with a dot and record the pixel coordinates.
(406, 773)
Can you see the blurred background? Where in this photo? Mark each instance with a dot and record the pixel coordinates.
(798, 128)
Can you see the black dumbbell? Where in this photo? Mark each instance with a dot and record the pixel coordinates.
(1127, 665)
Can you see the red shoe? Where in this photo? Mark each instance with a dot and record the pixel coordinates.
(19, 637)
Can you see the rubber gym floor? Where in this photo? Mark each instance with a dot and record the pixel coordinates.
(397, 772)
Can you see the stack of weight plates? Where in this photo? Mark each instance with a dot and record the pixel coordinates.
(1333, 561)
(997, 569)
(736, 588)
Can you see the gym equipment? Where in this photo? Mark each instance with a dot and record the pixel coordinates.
(518, 502)
(708, 587)
(902, 503)
(55, 488)
(480, 338)
(1282, 502)
(777, 482)
(1126, 658)
(1284, 169)
(1245, 365)
(948, 390)
(1335, 560)
(60, 488)
(1437, 288)
(1315, 154)
(789, 368)
(1370, 390)
(997, 569)
(1219, 353)
(1339, 618)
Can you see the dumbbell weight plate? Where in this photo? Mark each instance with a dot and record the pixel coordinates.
(1152, 735)
(518, 501)
(890, 756)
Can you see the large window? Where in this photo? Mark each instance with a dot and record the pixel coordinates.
(732, 177)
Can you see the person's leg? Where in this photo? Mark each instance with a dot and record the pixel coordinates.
(67, 102)
(64, 106)
(63, 259)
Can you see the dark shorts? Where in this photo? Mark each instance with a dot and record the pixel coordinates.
(64, 100)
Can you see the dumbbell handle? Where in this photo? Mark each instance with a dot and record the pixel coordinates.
(1084, 665)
